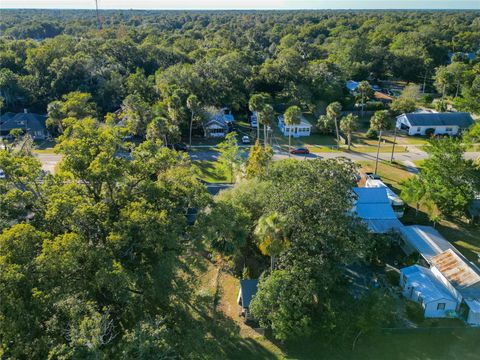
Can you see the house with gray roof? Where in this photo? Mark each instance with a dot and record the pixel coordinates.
(447, 123)
(33, 124)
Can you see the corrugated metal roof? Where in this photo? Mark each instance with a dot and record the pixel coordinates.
(426, 240)
(425, 282)
(460, 119)
(371, 195)
(460, 274)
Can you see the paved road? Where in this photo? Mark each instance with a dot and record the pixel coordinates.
(50, 160)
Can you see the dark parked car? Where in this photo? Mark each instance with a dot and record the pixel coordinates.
(370, 175)
(180, 147)
(299, 151)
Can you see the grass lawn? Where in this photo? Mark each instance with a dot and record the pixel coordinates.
(459, 343)
(404, 345)
(211, 171)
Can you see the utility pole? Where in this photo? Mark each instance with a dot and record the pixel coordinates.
(394, 142)
(99, 23)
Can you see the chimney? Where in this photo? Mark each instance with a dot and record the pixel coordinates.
(25, 111)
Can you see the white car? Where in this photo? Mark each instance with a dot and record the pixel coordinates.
(2, 174)
(245, 140)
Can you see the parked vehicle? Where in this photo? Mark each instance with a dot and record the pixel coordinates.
(245, 139)
(300, 151)
(180, 147)
(2, 174)
(372, 176)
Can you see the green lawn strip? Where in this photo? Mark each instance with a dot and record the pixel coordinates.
(210, 171)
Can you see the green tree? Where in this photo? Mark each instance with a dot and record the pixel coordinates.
(334, 111)
(292, 117)
(380, 122)
(194, 106)
(258, 160)
(284, 302)
(256, 104)
(406, 102)
(365, 92)
(447, 181)
(348, 124)
(230, 156)
(271, 234)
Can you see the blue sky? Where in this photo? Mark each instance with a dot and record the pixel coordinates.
(244, 4)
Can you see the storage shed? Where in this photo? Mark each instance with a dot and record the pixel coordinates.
(419, 284)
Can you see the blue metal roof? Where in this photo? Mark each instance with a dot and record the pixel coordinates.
(248, 289)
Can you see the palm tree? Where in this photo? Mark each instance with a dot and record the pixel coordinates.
(293, 116)
(414, 191)
(193, 105)
(256, 104)
(266, 117)
(333, 112)
(349, 124)
(270, 232)
(365, 91)
(380, 121)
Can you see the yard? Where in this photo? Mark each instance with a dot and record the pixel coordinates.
(428, 343)
(211, 171)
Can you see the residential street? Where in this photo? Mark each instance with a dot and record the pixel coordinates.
(50, 160)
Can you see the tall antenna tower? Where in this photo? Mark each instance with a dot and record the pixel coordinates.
(99, 22)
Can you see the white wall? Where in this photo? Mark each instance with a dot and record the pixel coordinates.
(473, 318)
(432, 312)
(439, 130)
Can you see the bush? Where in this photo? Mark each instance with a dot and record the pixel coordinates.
(426, 99)
(414, 312)
(393, 278)
(429, 132)
(374, 105)
(372, 134)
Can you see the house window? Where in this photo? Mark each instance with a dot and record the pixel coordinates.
(441, 306)
(419, 129)
(448, 129)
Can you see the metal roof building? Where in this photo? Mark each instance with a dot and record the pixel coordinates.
(426, 240)
(373, 207)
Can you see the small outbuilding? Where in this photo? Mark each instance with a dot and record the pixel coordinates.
(248, 289)
(298, 130)
(419, 284)
(432, 123)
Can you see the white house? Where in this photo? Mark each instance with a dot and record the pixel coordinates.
(218, 122)
(419, 284)
(447, 123)
(302, 129)
(373, 207)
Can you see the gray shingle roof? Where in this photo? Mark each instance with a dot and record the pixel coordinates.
(30, 121)
(460, 119)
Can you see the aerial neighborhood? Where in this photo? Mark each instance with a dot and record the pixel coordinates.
(248, 184)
